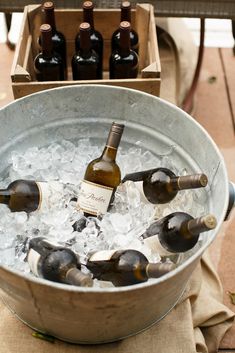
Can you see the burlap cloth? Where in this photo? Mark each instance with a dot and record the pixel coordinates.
(196, 324)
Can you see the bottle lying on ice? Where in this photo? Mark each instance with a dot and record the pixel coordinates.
(56, 263)
(161, 185)
(27, 195)
(125, 267)
(177, 232)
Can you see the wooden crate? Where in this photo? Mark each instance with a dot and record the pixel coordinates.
(68, 21)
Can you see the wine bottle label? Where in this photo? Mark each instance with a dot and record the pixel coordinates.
(103, 255)
(94, 198)
(46, 190)
(33, 259)
(156, 247)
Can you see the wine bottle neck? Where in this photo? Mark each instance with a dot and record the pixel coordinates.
(125, 44)
(155, 270)
(49, 17)
(5, 196)
(198, 225)
(189, 181)
(126, 14)
(47, 45)
(85, 42)
(75, 277)
(88, 17)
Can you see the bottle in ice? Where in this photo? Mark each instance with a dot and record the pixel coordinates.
(177, 232)
(134, 39)
(85, 62)
(125, 267)
(95, 36)
(124, 62)
(102, 177)
(161, 185)
(48, 64)
(58, 38)
(56, 263)
(25, 195)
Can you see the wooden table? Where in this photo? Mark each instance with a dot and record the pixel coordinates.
(214, 108)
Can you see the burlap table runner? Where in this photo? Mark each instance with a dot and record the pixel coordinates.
(196, 324)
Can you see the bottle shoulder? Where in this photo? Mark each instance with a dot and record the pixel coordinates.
(54, 60)
(89, 58)
(116, 56)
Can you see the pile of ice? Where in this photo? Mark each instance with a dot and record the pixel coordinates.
(64, 163)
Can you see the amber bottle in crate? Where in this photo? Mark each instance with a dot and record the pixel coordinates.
(58, 39)
(124, 61)
(48, 65)
(85, 62)
(96, 37)
(134, 38)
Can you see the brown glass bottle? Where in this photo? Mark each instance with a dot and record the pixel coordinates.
(161, 185)
(178, 232)
(56, 263)
(58, 39)
(102, 177)
(48, 64)
(96, 37)
(124, 61)
(85, 62)
(125, 267)
(134, 39)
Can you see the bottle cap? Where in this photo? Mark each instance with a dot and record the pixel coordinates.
(84, 26)
(48, 5)
(210, 221)
(117, 128)
(45, 28)
(88, 5)
(125, 5)
(125, 25)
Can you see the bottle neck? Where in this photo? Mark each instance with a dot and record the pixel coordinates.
(126, 14)
(189, 181)
(112, 143)
(49, 17)
(85, 42)
(155, 270)
(88, 17)
(75, 277)
(5, 196)
(125, 45)
(198, 225)
(47, 44)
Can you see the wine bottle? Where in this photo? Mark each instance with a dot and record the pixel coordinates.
(58, 38)
(48, 65)
(134, 38)
(177, 232)
(26, 195)
(96, 37)
(56, 263)
(124, 61)
(125, 267)
(85, 62)
(102, 177)
(161, 185)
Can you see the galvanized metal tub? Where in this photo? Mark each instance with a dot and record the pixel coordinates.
(95, 315)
